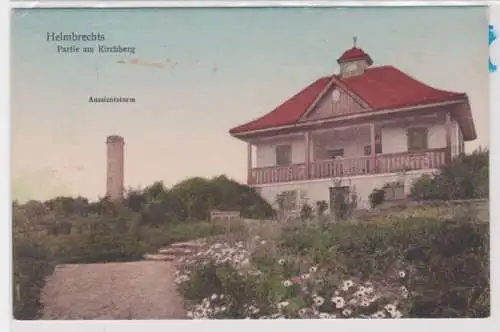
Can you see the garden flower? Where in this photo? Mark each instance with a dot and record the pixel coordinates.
(282, 305)
(263, 242)
(390, 308)
(347, 284)
(287, 283)
(360, 293)
(365, 303)
(378, 314)
(281, 261)
(324, 315)
(339, 302)
(347, 312)
(318, 301)
(253, 309)
(397, 314)
(305, 276)
(213, 297)
(302, 312)
(313, 269)
(368, 290)
(404, 292)
(223, 308)
(402, 274)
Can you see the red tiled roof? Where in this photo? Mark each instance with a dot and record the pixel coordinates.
(387, 87)
(354, 54)
(290, 111)
(382, 88)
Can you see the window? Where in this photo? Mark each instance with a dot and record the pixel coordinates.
(287, 200)
(394, 191)
(333, 154)
(368, 149)
(283, 155)
(417, 139)
(334, 191)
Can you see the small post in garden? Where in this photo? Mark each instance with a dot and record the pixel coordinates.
(18, 292)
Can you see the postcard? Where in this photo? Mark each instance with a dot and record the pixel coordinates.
(250, 163)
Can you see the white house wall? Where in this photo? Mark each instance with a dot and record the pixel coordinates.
(317, 190)
(266, 152)
(393, 141)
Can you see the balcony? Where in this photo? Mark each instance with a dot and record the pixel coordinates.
(384, 163)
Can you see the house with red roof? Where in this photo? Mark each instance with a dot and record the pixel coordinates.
(364, 128)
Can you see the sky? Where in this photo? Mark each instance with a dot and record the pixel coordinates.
(226, 66)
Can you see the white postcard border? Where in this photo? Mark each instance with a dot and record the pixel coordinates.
(153, 326)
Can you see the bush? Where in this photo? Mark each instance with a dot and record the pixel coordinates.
(321, 207)
(376, 197)
(344, 203)
(446, 262)
(306, 212)
(467, 177)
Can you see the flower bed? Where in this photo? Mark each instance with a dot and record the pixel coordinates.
(245, 280)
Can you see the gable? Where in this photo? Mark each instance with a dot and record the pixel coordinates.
(334, 102)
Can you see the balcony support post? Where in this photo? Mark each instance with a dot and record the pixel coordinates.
(308, 154)
(447, 123)
(373, 149)
(249, 164)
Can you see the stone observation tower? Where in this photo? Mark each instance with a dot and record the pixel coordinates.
(114, 173)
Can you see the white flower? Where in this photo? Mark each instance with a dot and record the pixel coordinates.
(402, 274)
(263, 242)
(347, 284)
(281, 261)
(324, 315)
(379, 314)
(397, 314)
(318, 301)
(282, 305)
(302, 312)
(287, 283)
(253, 309)
(190, 314)
(404, 292)
(313, 269)
(390, 308)
(339, 302)
(221, 296)
(359, 294)
(213, 297)
(365, 303)
(347, 312)
(223, 308)
(305, 276)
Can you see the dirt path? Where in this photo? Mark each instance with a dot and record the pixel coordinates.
(135, 290)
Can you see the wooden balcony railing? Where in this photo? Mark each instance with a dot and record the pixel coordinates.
(384, 163)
